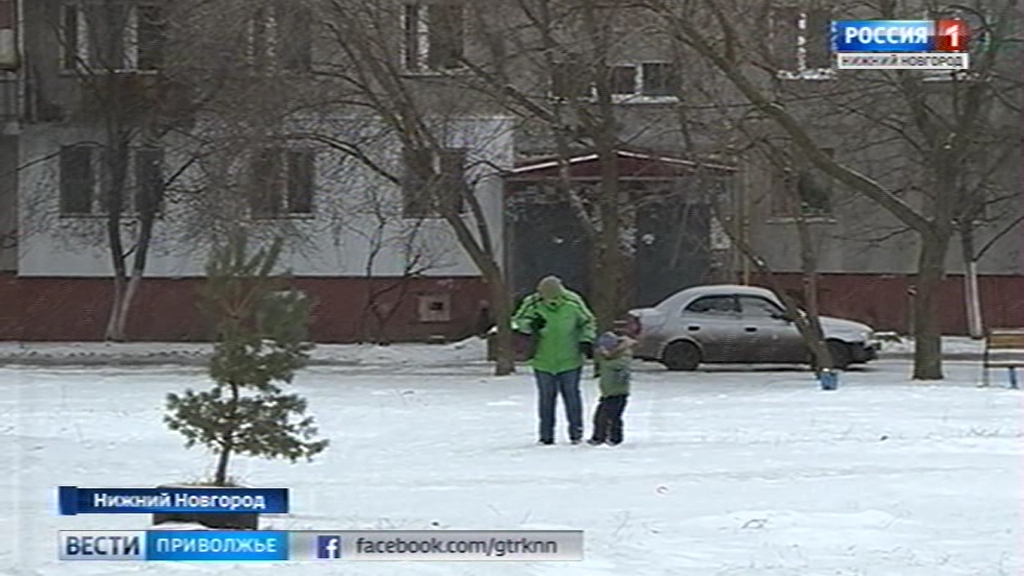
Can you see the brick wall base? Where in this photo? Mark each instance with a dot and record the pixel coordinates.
(884, 302)
(166, 310)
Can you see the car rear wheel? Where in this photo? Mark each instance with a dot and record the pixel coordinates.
(842, 356)
(680, 356)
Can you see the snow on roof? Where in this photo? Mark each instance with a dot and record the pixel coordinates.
(549, 162)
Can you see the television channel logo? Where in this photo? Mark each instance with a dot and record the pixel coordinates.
(894, 36)
(328, 547)
(101, 545)
(951, 36)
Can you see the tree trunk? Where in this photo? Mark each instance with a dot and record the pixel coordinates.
(221, 476)
(146, 221)
(931, 268)
(502, 308)
(372, 294)
(606, 285)
(604, 131)
(126, 304)
(117, 161)
(112, 332)
(813, 335)
(816, 339)
(972, 300)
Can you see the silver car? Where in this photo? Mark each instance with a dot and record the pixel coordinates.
(739, 324)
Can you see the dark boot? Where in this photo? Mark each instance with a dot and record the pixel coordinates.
(600, 423)
(617, 404)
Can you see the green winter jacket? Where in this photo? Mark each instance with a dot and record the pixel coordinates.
(615, 373)
(568, 321)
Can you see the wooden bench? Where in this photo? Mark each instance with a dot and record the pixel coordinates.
(1008, 344)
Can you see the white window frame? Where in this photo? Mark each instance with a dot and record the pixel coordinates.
(422, 67)
(82, 55)
(101, 176)
(802, 72)
(794, 211)
(413, 211)
(422, 39)
(283, 210)
(637, 96)
(96, 180)
(270, 37)
(265, 47)
(81, 36)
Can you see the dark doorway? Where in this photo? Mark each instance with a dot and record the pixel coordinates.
(547, 239)
(672, 253)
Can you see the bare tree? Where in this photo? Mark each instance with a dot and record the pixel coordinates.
(940, 128)
(131, 102)
(567, 50)
(419, 114)
(376, 216)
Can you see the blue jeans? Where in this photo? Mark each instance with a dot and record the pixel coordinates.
(549, 387)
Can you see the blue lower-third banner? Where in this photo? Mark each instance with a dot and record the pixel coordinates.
(73, 500)
(174, 545)
(275, 545)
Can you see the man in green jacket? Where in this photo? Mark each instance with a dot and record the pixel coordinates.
(564, 329)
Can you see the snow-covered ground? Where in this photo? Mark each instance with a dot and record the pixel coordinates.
(951, 345)
(469, 350)
(723, 473)
(150, 353)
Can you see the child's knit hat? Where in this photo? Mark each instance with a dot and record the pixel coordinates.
(608, 341)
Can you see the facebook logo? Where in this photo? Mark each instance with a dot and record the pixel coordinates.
(328, 546)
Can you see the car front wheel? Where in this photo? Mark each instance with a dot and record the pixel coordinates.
(841, 354)
(679, 356)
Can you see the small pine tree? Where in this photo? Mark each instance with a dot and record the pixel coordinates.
(260, 341)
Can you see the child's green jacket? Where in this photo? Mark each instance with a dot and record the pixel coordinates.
(614, 370)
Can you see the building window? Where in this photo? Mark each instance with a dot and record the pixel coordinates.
(434, 37)
(112, 36)
(295, 23)
(149, 180)
(659, 79)
(282, 182)
(280, 39)
(70, 33)
(84, 173)
(434, 182)
(151, 34)
(301, 178)
(802, 190)
(569, 79)
(627, 82)
(801, 43)
(622, 80)
(77, 179)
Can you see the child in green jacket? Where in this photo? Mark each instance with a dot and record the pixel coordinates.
(613, 356)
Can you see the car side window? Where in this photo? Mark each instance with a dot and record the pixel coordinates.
(757, 307)
(714, 306)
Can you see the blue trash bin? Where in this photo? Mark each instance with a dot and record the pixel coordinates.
(829, 379)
